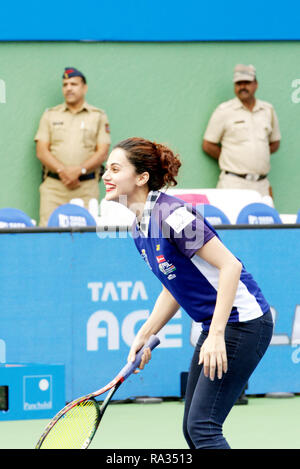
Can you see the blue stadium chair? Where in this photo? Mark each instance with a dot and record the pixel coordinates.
(298, 217)
(69, 215)
(215, 216)
(258, 214)
(14, 218)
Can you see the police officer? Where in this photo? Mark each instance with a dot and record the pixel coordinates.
(241, 135)
(72, 142)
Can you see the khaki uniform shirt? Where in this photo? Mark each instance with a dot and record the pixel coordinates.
(245, 136)
(73, 137)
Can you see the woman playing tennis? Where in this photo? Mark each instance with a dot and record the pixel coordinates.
(199, 274)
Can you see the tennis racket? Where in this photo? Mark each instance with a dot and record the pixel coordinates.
(76, 424)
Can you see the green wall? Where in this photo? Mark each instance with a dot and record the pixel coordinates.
(161, 91)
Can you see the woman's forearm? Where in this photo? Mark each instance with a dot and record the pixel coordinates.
(164, 309)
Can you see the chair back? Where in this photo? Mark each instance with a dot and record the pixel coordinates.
(14, 218)
(258, 214)
(69, 215)
(215, 216)
(192, 199)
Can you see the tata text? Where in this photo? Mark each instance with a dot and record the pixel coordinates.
(105, 324)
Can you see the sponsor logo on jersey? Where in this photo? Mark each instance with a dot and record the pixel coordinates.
(145, 257)
(160, 259)
(166, 268)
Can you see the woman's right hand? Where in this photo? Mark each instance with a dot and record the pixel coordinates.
(136, 346)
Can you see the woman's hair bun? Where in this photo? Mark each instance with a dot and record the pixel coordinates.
(170, 164)
(155, 158)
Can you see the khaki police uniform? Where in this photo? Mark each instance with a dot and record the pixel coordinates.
(73, 138)
(245, 137)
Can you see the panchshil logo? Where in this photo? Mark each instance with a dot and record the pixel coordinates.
(37, 392)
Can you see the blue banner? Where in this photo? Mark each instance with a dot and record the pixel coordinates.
(148, 20)
(78, 299)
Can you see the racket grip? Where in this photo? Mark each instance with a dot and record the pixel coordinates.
(130, 367)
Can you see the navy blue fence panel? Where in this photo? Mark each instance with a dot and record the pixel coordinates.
(78, 299)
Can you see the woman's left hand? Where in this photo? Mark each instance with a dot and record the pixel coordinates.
(213, 356)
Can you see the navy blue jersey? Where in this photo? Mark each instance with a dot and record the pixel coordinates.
(169, 235)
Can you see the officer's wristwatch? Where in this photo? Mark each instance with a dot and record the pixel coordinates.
(83, 170)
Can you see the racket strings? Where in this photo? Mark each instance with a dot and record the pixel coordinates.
(74, 429)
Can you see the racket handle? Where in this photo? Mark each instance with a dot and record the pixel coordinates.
(130, 367)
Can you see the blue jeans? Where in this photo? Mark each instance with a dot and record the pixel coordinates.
(207, 403)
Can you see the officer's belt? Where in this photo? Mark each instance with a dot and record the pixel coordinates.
(249, 177)
(83, 177)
